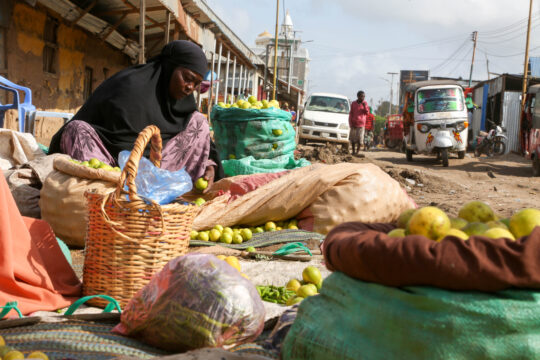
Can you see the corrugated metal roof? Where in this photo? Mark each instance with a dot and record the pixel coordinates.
(117, 21)
(93, 24)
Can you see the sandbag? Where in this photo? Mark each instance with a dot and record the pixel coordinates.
(195, 301)
(366, 252)
(373, 196)
(62, 200)
(352, 319)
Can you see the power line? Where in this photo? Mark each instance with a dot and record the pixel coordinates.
(449, 58)
(458, 64)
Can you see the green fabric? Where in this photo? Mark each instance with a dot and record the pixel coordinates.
(65, 251)
(352, 319)
(248, 132)
(249, 165)
(44, 148)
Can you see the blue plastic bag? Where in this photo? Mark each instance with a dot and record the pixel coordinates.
(159, 185)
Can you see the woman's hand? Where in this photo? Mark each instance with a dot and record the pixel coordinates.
(209, 175)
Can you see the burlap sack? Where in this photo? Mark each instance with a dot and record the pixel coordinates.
(331, 194)
(62, 200)
(367, 195)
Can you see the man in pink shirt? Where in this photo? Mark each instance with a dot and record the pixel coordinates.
(357, 121)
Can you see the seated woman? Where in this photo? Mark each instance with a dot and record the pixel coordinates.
(157, 93)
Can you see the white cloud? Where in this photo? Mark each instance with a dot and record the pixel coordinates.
(435, 12)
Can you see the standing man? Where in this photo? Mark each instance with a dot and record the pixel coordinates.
(357, 121)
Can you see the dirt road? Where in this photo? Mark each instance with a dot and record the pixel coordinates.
(505, 183)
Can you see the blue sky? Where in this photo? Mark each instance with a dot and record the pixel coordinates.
(354, 43)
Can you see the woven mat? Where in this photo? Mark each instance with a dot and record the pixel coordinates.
(76, 339)
(266, 239)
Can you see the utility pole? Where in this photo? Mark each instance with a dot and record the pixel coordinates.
(474, 38)
(391, 91)
(276, 50)
(487, 66)
(526, 65)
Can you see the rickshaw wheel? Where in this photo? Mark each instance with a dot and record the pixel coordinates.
(409, 154)
(444, 157)
(461, 154)
(536, 166)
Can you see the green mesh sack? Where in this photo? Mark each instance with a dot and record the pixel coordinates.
(352, 319)
(249, 165)
(263, 134)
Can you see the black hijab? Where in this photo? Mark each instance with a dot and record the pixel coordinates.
(123, 105)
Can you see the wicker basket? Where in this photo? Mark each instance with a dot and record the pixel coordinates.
(128, 241)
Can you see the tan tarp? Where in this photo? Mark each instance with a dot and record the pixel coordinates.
(333, 193)
(62, 200)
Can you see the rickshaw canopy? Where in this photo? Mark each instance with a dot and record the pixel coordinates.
(417, 85)
(534, 89)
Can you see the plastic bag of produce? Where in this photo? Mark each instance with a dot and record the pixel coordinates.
(195, 301)
(160, 185)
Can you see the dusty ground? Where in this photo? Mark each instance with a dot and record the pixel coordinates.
(504, 182)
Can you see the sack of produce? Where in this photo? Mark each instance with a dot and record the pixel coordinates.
(62, 200)
(195, 301)
(329, 194)
(255, 134)
(351, 319)
(473, 252)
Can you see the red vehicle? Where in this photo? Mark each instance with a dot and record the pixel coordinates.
(393, 131)
(530, 128)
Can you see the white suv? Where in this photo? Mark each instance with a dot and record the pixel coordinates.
(325, 119)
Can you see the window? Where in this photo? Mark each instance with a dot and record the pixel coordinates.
(441, 99)
(51, 45)
(328, 104)
(88, 76)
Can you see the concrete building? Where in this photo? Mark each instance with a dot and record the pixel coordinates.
(62, 50)
(292, 62)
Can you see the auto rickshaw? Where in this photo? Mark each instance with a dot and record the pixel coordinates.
(530, 128)
(438, 124)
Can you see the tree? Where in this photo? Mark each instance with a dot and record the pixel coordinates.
(382, 108)
(378, 125)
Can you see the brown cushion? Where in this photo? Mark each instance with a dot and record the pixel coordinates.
(365, 252)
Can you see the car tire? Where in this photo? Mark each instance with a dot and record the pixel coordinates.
(444, 157)
(409, 155)
(461, 154)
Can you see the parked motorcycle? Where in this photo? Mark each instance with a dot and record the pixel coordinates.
(491, 143)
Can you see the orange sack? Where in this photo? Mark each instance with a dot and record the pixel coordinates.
(33, 270)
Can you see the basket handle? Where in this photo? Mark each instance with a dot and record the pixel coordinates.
(129, 173)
